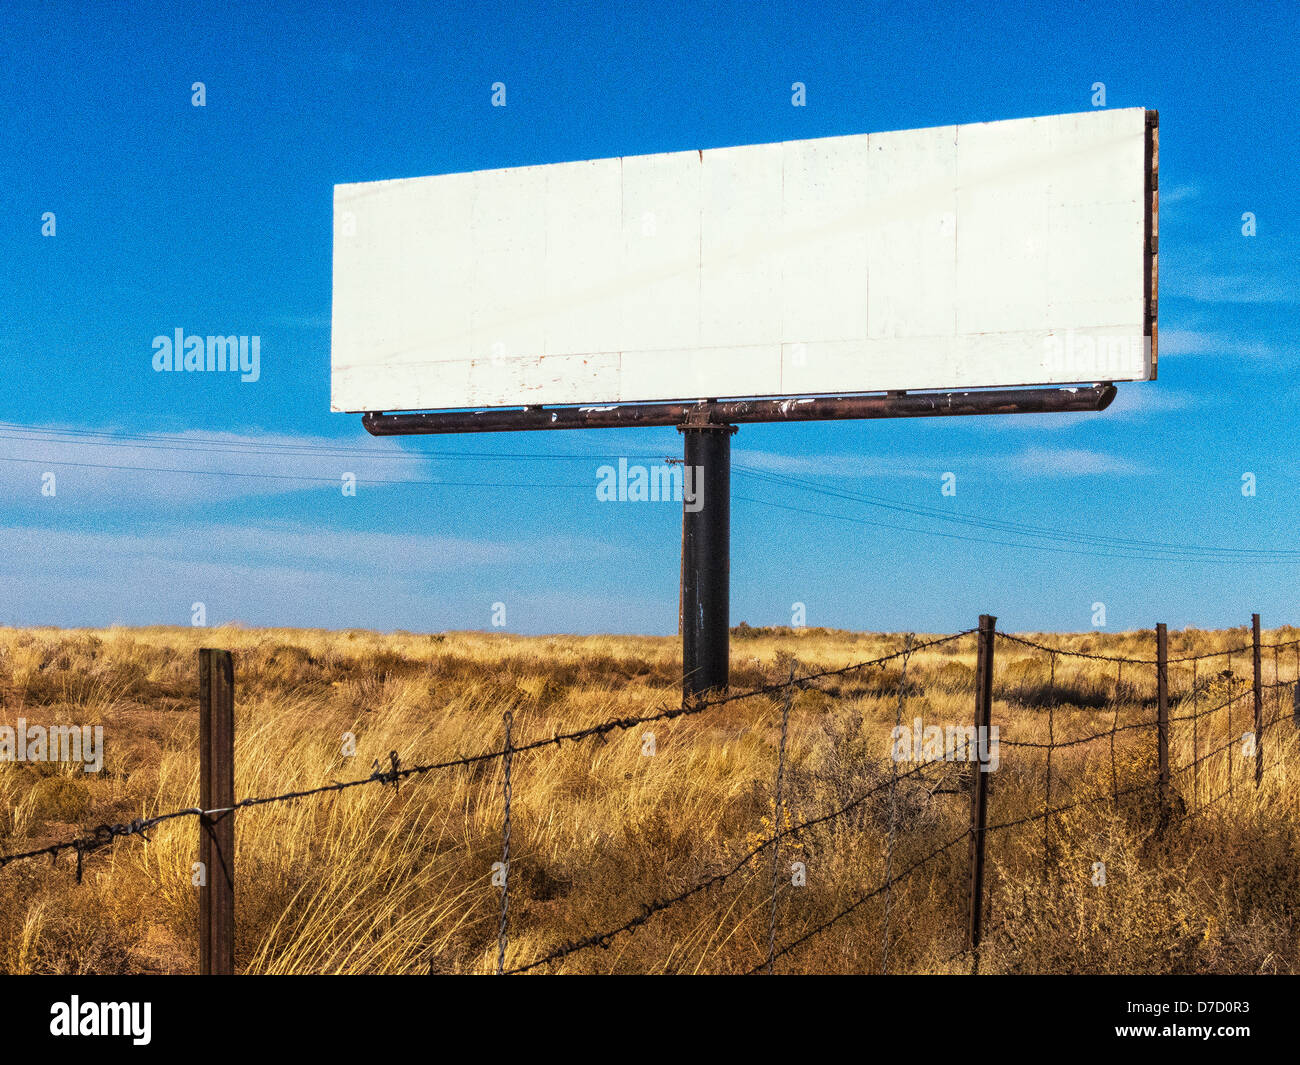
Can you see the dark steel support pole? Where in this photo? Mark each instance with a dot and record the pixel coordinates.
(979, 794)
(217, 832)
(706, 559)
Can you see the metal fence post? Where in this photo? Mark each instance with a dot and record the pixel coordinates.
(979, 787)
(217, 830)
(1162, 710)
(1259, 702)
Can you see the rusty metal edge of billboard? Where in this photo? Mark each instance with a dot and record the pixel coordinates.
(740, 411)
(1151, 236)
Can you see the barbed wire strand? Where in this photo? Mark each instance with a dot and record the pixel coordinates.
(1031, 818)
(648, 910)
(105, 835)
(1137, 661)
(862, 900)
(1110, 733)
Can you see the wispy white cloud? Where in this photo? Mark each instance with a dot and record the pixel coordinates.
(1030, 462)
(282, 574)
(854, 466)
(1073, 462)
(191, 466)
(1223, 267)
(266, 546)
(1134, 401)
(1143, 398)
(1171, 195)
(1199, 342)
(1231, 288)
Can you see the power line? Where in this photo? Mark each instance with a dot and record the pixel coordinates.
(292, 476)
(1059, 541)
(1002, 543)
(1024, 529)
(166, 442)
(993, 523)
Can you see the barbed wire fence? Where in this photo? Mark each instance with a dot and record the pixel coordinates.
(1061, 698)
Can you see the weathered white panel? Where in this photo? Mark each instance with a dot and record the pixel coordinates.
(661, 251)
(425, 311)
(913, 233)
(1003, 202)
(740, 246)
(582, 305)
(705, 373)
(992, 254)
(508, 298)
(1091, 215)
(825, 220)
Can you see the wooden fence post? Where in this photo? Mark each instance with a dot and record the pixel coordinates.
(217, 832)
(979, 786)
(1162, 710)
(1259, 702)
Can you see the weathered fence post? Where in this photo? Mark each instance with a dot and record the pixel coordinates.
(503, 926)
(979, 786)
(1259, 701)
(217, 830)
(1162, 711)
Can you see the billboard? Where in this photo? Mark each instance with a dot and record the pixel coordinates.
(995, 254)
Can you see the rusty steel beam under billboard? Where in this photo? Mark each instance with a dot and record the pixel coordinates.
(739, 411)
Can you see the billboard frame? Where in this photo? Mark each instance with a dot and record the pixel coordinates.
(902, 367)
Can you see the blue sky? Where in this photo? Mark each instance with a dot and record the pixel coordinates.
(176, 489)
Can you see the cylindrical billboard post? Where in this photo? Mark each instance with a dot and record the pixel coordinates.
(706, 558)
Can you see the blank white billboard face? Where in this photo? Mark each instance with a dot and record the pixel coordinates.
(993, 254)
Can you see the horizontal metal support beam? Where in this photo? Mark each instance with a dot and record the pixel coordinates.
(737, 411)
(705, 412)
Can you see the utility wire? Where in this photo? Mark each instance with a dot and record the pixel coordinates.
(1019, 528)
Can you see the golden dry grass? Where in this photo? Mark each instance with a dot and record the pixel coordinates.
(398, 881)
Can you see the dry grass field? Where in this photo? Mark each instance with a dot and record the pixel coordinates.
(384, 880)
